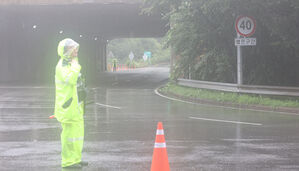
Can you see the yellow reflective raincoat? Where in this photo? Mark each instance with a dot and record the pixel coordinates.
(68, 109)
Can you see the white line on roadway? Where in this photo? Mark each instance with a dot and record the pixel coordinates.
(25, 107)
(226, 107)
(226, 121)
(19, 87)
(174, 99)
(108, 106)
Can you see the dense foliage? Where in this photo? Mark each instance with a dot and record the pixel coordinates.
(202, 36)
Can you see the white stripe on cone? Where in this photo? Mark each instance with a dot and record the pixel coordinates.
(160, 132)
(160, 145)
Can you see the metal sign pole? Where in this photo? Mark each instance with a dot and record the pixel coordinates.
(244, 26)
(239, 64)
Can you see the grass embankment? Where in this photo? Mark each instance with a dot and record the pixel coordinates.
(227, 97)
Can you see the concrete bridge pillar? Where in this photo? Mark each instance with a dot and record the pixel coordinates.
(92, 56)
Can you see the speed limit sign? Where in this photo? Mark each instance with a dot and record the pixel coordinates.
(245, 26)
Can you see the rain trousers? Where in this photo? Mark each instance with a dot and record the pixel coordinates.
(68, 109)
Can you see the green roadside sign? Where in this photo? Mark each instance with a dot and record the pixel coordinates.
(148, 54)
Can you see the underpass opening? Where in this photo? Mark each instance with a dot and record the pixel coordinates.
(127, 54)
(29, 35)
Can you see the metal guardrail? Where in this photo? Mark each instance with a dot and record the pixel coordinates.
(251, 89)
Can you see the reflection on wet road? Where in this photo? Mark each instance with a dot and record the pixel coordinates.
(120, 130)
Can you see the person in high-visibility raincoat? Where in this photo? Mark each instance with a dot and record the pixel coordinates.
(69, 103)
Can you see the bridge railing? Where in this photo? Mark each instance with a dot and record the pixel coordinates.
(250, 89)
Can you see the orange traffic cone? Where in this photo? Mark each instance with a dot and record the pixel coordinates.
(160, 158)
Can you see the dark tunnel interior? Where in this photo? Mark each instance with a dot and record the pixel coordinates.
(29, 36)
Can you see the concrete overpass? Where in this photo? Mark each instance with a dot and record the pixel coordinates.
(30, 31)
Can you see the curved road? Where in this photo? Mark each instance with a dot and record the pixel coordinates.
(120, 129)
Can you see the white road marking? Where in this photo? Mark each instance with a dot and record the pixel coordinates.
(20, 87)
(31, 101)
(226, 107)
(19, 107)
(174, 99)
(226, 121)
(247, 140)
(108, 106)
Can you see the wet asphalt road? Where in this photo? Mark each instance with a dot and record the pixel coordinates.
(120, 130)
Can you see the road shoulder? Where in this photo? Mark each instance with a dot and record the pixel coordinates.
(176, 97)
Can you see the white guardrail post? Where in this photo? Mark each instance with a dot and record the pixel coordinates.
(251, 89)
